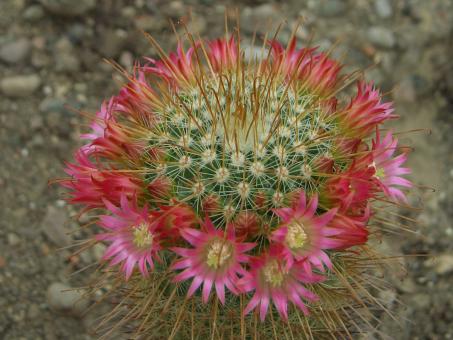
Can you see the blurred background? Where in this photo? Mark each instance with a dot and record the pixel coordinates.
(51, 65)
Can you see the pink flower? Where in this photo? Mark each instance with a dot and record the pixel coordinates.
(215, 260)
(352, 187)
(133, 236)
(349, 228)
(177, 68)
(115, 143)
(322, 74)
(315, 69)
(247, 224)
(387, 169)
(108, 138)
(290, 59)
(102, 117)
(365, 111)
(91, 185)
(223, 53)
(302, 235)
(172, 219)
(272, 281)
(160, 187)
(137, 100)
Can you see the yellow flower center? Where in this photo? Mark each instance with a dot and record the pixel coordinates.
(296, 236)
(380, 173)
(143, 238)
(273, 273)
(218, 253)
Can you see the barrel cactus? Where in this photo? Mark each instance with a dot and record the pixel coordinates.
(234, 193)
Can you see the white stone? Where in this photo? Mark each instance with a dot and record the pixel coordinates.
(65, 299)
(20, 86)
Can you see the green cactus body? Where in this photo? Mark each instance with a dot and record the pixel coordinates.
(249, 148)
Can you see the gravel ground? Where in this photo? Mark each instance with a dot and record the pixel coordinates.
(51, 65)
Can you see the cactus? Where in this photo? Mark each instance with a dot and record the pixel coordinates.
(237, 194)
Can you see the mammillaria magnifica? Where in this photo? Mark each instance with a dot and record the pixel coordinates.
(236, 193)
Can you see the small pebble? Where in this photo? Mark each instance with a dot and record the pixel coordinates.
(197, 24)
(150, 23)
(16, 51)
(421, 301)
(111, 42)
(53, 226)
(65, 299)
(13, 239)
(20, 86)
(444, 264)
(33, 311)
(68, 8)
(127, 59)
(381, 37)
(328, 8)
(34, 13)
(51, 105)
(387, 297)
(407, 285)
(128, 12)
(383, 8)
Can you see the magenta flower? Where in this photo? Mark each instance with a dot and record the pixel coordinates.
(290, 58)
(316, 70)
(137, 100)
(115, 143)
(223, 53)
(176, 68)
(272, 281)
(215, 260)
(99, 122)
(349, 228)
(108, 137)
(365, 111)
(388, 170)
(91, 185)
(304, 235)
(133, 236)
(352, 188)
